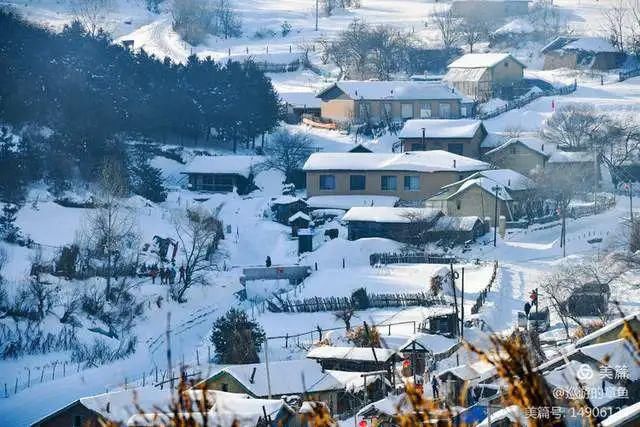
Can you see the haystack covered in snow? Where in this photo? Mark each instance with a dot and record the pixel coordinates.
(582, 52)
(483, 75)
(461, 137)
(386, 101)
(407, 176)
(222, 173)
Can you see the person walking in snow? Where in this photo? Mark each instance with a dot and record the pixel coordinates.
(435, 387)
(268, 261)
(181, 277)
(172, 276)
(153, 273)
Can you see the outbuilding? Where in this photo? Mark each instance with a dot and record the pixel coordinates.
(222, 174)
(593, 53)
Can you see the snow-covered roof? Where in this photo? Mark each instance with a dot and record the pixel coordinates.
(399, 90)
(230, 408)
(353, 381)
(299, 215)
(350, 353)
(440, 128)
(570, 157)
(466, 75)
(565, 377)
(609, 327)
(517, 26)
(432, 342)
(390, 215)
(623, 416)
(619, 352)
(507, 178)
(233, 164)
(348, 202)
(300, 99)
(411, 161)
(481, 60)
(512, 413)
(480, 370)
(590, 44)
(532, 142)
(289, 376)
(118, 406)
(484, 183)
(285, 200)
(455, 223)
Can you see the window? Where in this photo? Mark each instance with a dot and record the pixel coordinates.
(77, 421)
(357, 182)
(463, 111)
(327, 182)
(456, 148)
(407, 111)
(412, 183)
(388, 183)
(387, 109)
(425, 111)
(506, 64)
(458, 204)
(445, 111)
(225, 387)
(207, 179)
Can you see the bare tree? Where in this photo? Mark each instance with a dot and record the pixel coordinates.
(546, 18)
(568, 280)
(560, 186)
(199, 232)
(287, 153)
(227, 23)
(473, 30)
(112, 226)
(573, 126)
(419, 225)
(448, 25)
(90, 13)
(345, 315)
(615, 24)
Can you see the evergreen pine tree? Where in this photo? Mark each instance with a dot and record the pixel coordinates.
(236, 338)
(147, 180)
(8, 230)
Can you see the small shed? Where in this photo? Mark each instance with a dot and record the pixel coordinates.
(284, 207)
(360, 149)
(355, 359)
(443, 324)
(458, 379)
(222, 173)
(458, 229)
(407, 225)
(591, 299)
(582, 52)
(298, 221)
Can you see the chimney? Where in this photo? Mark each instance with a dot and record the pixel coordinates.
(542, 147)
(253, 374)
(356, 93)
(454, 163)
(509, 183)
(108, 407)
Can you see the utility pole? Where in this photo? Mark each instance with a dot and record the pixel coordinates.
(317, 9)
(630, 203)
(495, 216)
(266, 362)
(462, 308)
(424, 147)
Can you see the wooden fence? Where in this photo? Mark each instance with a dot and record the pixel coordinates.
(483, 294)
(521, 102)
(624, 75)
(317, 304)
(410, 258)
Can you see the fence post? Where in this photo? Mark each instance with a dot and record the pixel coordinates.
(6, 392)
(15, 389)
(53, 372)
(144, 377)
(41, 374)
(197, 357)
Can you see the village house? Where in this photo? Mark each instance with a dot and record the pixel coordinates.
(356, 359)
(411, 225)
(409, 176)
(118, 407)
(482, 76)
(476, 195)
(458, 380)
(299, 104)
(611, 331)
(290, 378)
(493, 10)
(523, 154)
(222, 174)
(593, 53)
(462, 136)
(390, 101)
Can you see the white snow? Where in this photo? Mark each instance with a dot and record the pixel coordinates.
(348, 202)
(240, 165)
(623, 416)
(479, 60)
(591, 44)
(507, 178)
(390, 215)
(440, 128)
(412, 161)
(394, 90)
(351, 353)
